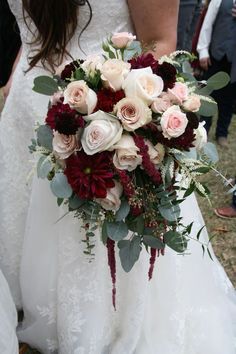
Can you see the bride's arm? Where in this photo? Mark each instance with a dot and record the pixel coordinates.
(156, 21)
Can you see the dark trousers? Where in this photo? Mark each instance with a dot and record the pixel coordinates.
(224, 97)
(234, 200)
(10, 41)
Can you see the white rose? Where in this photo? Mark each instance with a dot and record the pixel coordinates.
(192, 104)
(144, 84)
(122, 39)
(126, 156)
(112, 200)
(133, 113)
(114, 72)
(64, 145)
(156, 153)
(92, 63)
(173, 122)
(101, 134)
(200, 136)
(80, 97)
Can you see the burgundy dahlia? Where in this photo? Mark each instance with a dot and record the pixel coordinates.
(168, 74)
(183, 142)
(70, 69)
(90, 176)
(65, 120)
(107, 99)
(143, 61)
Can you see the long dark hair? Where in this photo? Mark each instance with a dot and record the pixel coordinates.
(56, 22)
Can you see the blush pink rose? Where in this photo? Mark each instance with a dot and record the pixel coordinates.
(161, 104)
(112, 200)
(173, 122)
(64, 145)
(179, 93)
(122, 39)
(192, 104)
(80, 97)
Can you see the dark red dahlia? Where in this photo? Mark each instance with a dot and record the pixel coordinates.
(183, 142)
(64, 119)
(107, 99)
(69, 69)
(168, 74)
(143, 61)
(193, 120)
(90, 176)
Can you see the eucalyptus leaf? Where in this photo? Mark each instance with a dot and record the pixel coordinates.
(129, 252)
(153, 242)
(123, 211)
(104, 232)
(170, 214)
(218, 80)
(176, 241)
(116, 231)
(209, 149)
(207, 109)
(43, 167)
(45, 136)
(45, 85)
(60, 186)
(75, 202)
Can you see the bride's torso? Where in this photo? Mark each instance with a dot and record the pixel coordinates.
(107, 16)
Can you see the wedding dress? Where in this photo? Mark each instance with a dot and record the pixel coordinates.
(8, 316)
(189, 307)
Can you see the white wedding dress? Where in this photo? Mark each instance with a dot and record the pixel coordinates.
(189, 307)
(8, 320)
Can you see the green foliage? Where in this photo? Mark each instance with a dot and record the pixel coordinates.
(210, 151)
(60, 186)
(75, 202)
(176, 241)
(45, 85)
(207, 109)
(123, 211)
(44, 166)
(116, 231)
(129, 252)
(153, 242)
(44, 137)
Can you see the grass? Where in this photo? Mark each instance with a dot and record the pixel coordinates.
(223, 230)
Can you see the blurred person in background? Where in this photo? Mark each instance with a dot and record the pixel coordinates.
(228, 212)
(217, 52)
(189, 12)
(10, 44)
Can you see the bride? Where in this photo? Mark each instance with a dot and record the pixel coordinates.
(189, 307)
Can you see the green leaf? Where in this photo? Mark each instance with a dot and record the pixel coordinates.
(116, 230)
(79, 74)
(209, 254)
(45, 136)
(189, 190)
(153, 242)
(218, 80)
(60, 186)
(199, 232)
(176, 241)
(59, 201)
(170, 214)
(123, 211)
(111, 54)
(209, 149)
(75, 202)
(129, 252)
(203, 169)
(207, 109)
(136, 224)
(45, 85)
(43, 167)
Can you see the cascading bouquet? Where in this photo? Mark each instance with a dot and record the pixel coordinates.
(120, 139)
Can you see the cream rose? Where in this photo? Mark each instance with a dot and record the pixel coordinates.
(192, 104)
(92, 63)
(126, 156)
(122, 39)
(133, 113)
(144, 84)
(114, 71)
(161, 104)
(179, 93)
(101, 134)
(112, 200)
(80, 97)
(64, 145)
(156, 152)
(173, 122)
(200, 136)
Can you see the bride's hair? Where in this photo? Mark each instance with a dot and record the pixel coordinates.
(56, 21)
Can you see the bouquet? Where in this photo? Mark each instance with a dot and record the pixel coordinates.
(122, 147)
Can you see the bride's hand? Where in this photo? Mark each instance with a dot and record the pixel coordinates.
(155, 21)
